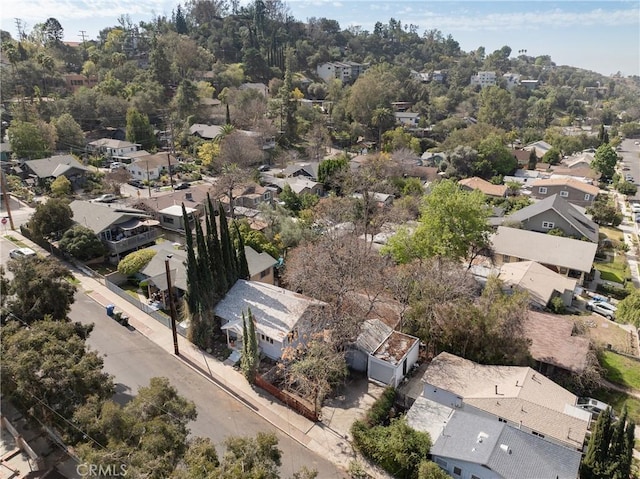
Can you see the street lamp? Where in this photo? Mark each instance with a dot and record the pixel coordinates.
(172, 306)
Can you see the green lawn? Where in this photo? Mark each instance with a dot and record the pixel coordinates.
(616, 271)
(614, 234)
(620, 369)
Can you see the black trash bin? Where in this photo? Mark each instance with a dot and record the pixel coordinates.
(110, 309)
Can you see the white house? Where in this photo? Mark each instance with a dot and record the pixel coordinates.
(110, 147)
(171, 217)
(407, 118)
(282, 317)
(484, 79)
(150, 167)
(345, 71)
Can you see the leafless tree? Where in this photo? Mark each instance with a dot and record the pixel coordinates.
(116, 178)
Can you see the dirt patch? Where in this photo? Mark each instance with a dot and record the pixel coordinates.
(604, 333)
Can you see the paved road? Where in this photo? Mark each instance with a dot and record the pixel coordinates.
(631, 159)
(20, 213)
(133, 360)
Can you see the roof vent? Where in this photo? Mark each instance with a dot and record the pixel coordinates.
(505, 448)
(482, 436)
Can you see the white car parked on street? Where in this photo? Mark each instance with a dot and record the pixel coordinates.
(602, 307)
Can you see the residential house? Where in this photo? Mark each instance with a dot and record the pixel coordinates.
(195, 197)
(298, 185)
(566, 256)
(120, 229)
(473, 446)
(512, 80)
(574, 191)
(540, 148)
(554, 344)
(347, 72)
(381, 200)
(307, 169)
(407, 118)
(529, 84)
(521, 156)
(261, 265)
(540, 282)
(151, 167)
(211, 132)
(512, 395)
(251, 196)
(110, 147)
(172, 218)
(554, 212)
(282, 318)
(525, 177)
(75, 81)
(439, 76)
(154, 274)
(259, 87)
(483, 79)
(48, 169)
(489, 189)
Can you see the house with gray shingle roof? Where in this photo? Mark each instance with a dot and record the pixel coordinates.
(60, 165)
(120, 229)
(556, 212)
(282, 318)
(475, 446)
(517, 396)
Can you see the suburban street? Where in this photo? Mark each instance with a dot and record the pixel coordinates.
(133, 360)
(631, 159)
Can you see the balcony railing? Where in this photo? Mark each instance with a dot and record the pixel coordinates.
(132, 242)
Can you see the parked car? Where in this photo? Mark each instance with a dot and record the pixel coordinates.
(182, 186)
(136, 183)
(264, 168)
(115, 165)
(107, 198)
(21, 253)
(607, 310)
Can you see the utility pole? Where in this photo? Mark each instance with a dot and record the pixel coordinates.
(5, 196)
(148, 180)
(172, 306)
(170, 173)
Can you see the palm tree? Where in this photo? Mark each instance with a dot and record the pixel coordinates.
(382, 117)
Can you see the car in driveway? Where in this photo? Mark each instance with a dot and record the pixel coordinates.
(106, 198)
(136, 183)
(603, 308)
(21, 253)
(182, 186)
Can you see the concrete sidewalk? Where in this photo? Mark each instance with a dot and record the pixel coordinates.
(328, 438)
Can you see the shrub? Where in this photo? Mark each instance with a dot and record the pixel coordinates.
(379, 412)
(557, 305)
(613, 291)
(134, 262)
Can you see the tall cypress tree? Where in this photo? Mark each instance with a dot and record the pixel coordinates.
(243, 266)
(227, 250)
(596, 461)
(250, 357)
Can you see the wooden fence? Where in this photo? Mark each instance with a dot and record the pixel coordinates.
(287, 398)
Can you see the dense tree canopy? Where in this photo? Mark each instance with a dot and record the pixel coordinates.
(52, 218)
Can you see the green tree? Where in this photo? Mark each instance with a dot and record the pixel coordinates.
(27, 140)
(48, 371)
(148, 434)
(250, 354)
(247, 457)
(70, 135)
(60, 187)
(430, 470)
(495, 107)
(291, 199)
(82, 243)
(604, 212)
(627, 188)
(629, 309)
(186, 101)
(453, 224)
(594, 463)
(139, 130)
(51, 219)
(134, 262)
(331, 167)
(553, 156)
(605, 160)
(39, 288)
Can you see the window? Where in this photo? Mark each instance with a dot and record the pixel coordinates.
(548, 225)
(265, 273)
(542, 190)
(167, 219)
(440, 462)
(564, 194)
(457, 471)
(506, 258)
(587, 197)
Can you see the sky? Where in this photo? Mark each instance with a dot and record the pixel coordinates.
(602, 36)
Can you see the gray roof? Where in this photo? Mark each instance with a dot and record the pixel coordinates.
(310, 168)
(258, 262)
(156, 270)
(507, 451)
(569, 212)
(373, 333)
(54, 165)
(543, 248)
(98, 217)
(276, 310)
(208, 132)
